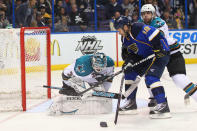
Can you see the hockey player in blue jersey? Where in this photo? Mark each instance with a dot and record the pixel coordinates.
(176, 65)
(138, 42)
(90, 69)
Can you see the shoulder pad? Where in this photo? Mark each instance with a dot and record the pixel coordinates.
(83, 65)
(157, 22)
(110, 62)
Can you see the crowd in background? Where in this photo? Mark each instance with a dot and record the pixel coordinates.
(78, 15)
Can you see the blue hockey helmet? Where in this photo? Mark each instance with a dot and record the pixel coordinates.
(99, 61)
(121, 21)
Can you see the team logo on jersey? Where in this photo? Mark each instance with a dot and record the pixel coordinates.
(89, 45)
(80, 69)
(133, 47)
(159, 23)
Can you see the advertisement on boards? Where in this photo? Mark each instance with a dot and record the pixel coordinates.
(65, 48)
(188, 41)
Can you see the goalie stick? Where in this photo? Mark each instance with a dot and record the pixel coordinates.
(107, 78)
(95, 93)
(100, 82)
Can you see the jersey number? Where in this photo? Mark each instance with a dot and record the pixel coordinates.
(146, 29)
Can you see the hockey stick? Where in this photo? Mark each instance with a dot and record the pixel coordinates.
(117, 73)
(107, 78)
(95, 93)
(100, 82)
(139, 62)
(118, 104)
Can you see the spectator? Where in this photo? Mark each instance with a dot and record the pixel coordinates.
(134, 3)
(112, 7)
(127, 14)
(111, 23)
(134, 17)
(33, 21)
(157, 8)
(3, 5)
(4, 23)
(102, 2)
(70, 3)
(40, 20)
(18, 3)
(82, 4)
(62, 12)
(179, 18)
(169, 21)
(195, 14)
(78, 20)
(62, 25)
(58, 6)
(8, 11)
(24, 14)
(127, 5)
(149, 2)
(45, 15)
(47, 4)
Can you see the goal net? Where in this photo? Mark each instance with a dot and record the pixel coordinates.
(24, 67)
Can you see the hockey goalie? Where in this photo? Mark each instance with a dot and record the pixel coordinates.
(85, 72)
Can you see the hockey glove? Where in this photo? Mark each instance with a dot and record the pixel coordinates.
(127, 67)
(103, 78)
(161, 53)
(124, 53)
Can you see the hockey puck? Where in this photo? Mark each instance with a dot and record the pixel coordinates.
(103, 124)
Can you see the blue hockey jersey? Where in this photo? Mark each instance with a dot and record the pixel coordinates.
(144, 40)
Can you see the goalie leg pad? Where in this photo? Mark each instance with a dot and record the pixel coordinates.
(88, 106)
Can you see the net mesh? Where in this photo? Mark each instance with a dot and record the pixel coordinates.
(35, 44)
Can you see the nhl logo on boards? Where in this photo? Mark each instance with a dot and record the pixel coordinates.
(89, 45)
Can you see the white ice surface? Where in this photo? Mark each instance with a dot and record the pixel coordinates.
(37, 119)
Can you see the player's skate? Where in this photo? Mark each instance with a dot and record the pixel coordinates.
(129, 107)
(68, 90)
(161, 111)
(152, 103)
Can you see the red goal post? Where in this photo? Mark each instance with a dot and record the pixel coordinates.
(36, 30)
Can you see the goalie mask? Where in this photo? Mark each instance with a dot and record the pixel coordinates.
(99, 62)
